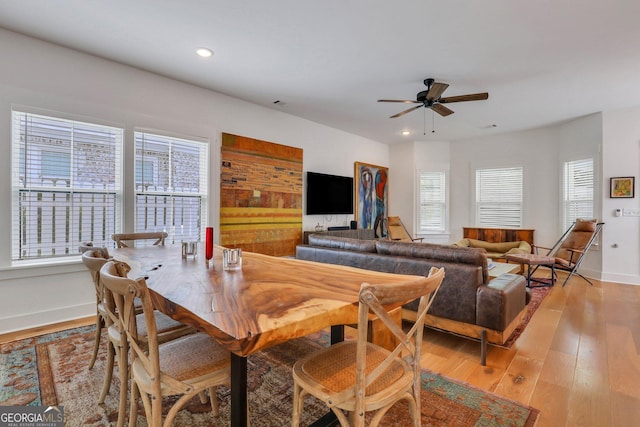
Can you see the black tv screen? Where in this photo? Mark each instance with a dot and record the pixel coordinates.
(329, 194)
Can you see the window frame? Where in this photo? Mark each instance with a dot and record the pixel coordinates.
(175, 231)
(65, 134)
(499, 203)
(443, 204)
(567, 219)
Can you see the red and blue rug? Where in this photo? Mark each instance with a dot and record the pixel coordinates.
(52, 369)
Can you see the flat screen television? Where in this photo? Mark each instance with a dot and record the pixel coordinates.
(329, 194)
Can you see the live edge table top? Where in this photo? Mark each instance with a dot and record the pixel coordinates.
(269, 301)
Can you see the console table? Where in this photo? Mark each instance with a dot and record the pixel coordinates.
(358, 233)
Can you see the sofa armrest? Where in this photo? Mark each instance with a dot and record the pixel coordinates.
(500, 301)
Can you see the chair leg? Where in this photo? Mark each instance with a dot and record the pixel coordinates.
(298, 403)
(123, 368)
(156, 412)
(96, 343)
(108, 373)
(213, 397)
(133, 408)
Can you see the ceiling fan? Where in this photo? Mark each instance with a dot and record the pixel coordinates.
(430, 98)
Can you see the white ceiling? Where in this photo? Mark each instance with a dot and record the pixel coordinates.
(542, 62)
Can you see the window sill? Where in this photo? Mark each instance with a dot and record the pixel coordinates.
(38, 268)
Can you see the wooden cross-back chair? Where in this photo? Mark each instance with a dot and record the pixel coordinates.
(95, 258)
(185, 366)
(117, 348)
(358, 376)
(569, 251)
(124, 240)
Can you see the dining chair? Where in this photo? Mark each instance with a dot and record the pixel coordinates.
(185, 366)
(95, 259)
(124, 240)
(117, 348)
(357, 376)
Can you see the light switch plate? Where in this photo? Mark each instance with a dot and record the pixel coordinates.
(630, 212)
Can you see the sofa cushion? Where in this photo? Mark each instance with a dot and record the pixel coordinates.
(343, 243)
(432, 251)
(496, 249)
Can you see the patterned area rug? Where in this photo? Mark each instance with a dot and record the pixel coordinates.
(53, 370)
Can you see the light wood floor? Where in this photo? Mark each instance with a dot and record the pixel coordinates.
(578, 360)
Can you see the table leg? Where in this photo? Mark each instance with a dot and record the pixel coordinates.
(337, 334)
(239, 406)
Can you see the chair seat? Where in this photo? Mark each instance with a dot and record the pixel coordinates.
(164, 324)
(531, 259)
(168, 329)
(191, 359)
(333, 370)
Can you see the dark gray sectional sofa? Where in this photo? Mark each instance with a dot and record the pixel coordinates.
(468, 303)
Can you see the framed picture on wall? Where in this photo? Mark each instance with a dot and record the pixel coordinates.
(622, 187)
(371, 196)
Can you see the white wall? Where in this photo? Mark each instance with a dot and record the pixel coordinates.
(48, 77)
(536, 152)
(621, 157)
(406, 161)
(541, 152)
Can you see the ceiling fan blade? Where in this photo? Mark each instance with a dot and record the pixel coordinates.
(436, 90)
(406, 101)
(402, 113)
(441, 109)
(471, 97)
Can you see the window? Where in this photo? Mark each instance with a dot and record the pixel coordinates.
(171, 185)
(499, 197)
(578, 191)
(66, 185)
(432, 202)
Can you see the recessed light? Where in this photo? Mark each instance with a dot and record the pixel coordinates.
(406, 132)
(204, 52)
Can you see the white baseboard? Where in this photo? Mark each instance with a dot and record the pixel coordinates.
(42, 318)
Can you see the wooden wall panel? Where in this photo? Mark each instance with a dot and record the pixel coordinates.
(260, 196)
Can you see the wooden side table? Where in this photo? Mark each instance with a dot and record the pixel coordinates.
(536, 261)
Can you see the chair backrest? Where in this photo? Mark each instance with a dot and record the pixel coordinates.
(94, 259)
(124, 292)
(88, 246)
(577, 240)
(396, 230)
(121, 239)
(373, 299)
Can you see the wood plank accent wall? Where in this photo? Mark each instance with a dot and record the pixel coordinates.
(496, 235)
(260, 196)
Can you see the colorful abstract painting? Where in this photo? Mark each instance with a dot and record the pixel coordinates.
(372, 196)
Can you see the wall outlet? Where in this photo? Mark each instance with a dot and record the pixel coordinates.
(631, 212)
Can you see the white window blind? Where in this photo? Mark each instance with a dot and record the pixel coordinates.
(171, 185)
(578, 190)
(432, 202)
(65, 185)
(499, 197)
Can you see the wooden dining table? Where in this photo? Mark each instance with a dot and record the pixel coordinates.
(269, 301)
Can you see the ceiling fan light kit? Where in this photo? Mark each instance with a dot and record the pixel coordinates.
(432, 99)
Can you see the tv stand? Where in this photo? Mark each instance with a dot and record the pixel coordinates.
(358, 233)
